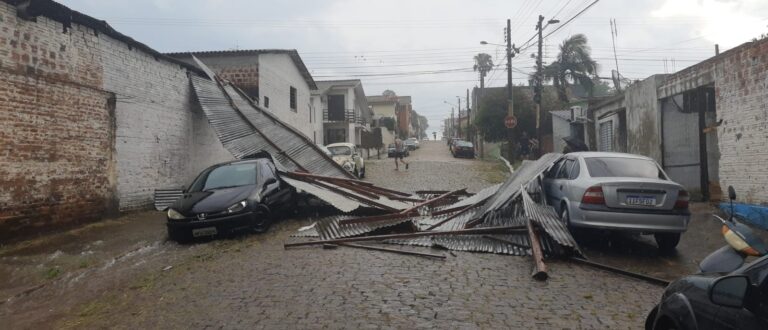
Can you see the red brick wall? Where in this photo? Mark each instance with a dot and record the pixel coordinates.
(246, 79)
(56, 129)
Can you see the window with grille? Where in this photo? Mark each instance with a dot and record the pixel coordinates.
(606, 135)
(293, 99)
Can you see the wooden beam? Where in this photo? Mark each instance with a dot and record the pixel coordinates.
(376, 248)
(540, 269)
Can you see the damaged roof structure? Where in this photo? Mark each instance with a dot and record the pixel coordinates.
(511, 218)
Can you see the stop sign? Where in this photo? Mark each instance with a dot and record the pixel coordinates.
(510, 121)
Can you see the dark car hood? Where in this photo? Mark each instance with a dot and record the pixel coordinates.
(212, 200)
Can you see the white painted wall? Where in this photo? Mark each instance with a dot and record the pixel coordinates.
(277, 73)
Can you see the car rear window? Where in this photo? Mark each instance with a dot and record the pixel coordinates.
(599, 167)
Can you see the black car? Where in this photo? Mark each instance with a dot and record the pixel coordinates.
(227, 197)
(461, 148)
(736, 300)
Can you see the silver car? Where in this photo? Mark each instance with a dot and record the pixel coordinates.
(617, 191)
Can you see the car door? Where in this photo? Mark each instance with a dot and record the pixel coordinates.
(550, 184)
(277, 193)
(754, 314)
(560, 184)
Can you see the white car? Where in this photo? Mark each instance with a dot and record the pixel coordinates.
(348, 156)
(617, 191)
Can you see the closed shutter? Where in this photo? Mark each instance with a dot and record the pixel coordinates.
(606, 135)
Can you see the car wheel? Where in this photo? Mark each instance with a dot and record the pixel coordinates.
(265, 223)
(357, 173)
(667, 242)
(179, 235)
(362, 174)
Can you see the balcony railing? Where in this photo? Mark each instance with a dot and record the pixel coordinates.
(349, 116)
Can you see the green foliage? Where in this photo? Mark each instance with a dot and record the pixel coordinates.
(574, 64)
(489, 119)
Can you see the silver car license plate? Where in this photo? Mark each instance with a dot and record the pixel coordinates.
(207, 231)
(641, 200)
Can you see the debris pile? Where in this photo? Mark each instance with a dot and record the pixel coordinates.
(511, 218)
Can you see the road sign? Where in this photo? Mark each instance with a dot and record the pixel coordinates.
(510, 121)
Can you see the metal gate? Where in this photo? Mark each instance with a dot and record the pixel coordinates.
(606, 135)
(680, 138)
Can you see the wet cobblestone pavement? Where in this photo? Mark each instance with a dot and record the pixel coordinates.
(252, 282)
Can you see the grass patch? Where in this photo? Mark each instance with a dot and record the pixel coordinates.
(51, 273)
(493, 172)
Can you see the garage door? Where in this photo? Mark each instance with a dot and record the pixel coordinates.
(606, 136)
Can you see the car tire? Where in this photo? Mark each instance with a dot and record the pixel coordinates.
(180, 235)
(667, 242)
(264, 225)
(362, 174)
(357, 173)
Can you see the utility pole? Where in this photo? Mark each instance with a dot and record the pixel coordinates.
(452, 128)
(469, 121)
(510, 101)
(539, 83)
(458, 99)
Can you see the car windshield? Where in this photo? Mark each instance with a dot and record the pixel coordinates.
(464, 144)
(391, 145)
(340, 151)
(600, 167)
(226, 176)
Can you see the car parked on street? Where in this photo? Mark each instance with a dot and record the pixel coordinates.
(463, 148)
(735, 300)
(392, 150)
(410, 144)
(348, 156)
(228, 197)
(618, 192)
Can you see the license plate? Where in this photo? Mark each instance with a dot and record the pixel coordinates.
(641, 200)
(207, 231)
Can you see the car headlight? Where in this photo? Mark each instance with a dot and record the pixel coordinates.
(348, 166)
(237, 207)
(175, 215)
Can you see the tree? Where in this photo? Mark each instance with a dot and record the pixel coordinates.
(483, 65)
(489, 118)
(574, 64)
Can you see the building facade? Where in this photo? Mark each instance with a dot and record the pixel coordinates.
(345, 110)
(276, 79)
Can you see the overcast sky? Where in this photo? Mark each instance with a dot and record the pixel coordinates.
(424, 48)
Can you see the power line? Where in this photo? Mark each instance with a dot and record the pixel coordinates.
(572, 18)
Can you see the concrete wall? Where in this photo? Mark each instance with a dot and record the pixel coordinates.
(277, 73)
(381, 110)
(740, 77)
(317, 119)
(89, 125)
(644, 118)
(560, 128)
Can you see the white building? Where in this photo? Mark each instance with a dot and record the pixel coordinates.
(344, 108)
(276, 79)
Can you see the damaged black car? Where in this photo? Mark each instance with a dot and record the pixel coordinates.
(230, 197)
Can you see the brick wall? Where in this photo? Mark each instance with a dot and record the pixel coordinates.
(56, 128)
(741, 85)
(89, 125)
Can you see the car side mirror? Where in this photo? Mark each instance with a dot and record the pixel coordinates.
(269, 181)
(731, 193)
(729, 291)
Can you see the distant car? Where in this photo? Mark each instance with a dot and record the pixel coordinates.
(425, 139)
(617, 191)
(227, 197)
(737, 300)
(391, 150)
(463, 149)
(348, 156)
(410, 144)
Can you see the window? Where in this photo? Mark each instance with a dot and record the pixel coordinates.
(600, 167)
(575, 170)
(293, 99)
(266, 102)
(552, 173)
(565, 170)
(606, 135)
(336, 107)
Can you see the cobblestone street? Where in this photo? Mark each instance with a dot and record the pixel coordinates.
(252, 282)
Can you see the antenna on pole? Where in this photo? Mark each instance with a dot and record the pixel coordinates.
(614, 35)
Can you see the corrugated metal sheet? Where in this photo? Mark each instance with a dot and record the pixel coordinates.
(338, 201)
(333, 227)
(525, 174)
(165, 197)
(546, 216)
(244, 128)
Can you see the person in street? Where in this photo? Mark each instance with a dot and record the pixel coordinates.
(525, 145)
(400, 154)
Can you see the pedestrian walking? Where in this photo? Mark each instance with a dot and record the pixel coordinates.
(400, 154)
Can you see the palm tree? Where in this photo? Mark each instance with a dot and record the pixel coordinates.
(483, 64)
(573, 64)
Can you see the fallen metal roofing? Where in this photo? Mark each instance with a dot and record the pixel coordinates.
(244, 128)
